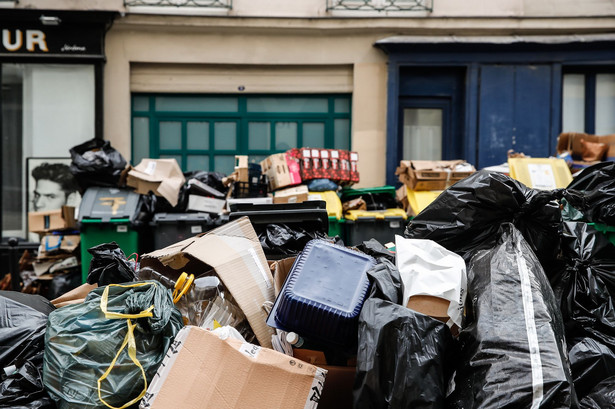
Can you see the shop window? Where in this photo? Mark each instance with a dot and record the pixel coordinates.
(588, 102)
(41, 120)
(205, 132)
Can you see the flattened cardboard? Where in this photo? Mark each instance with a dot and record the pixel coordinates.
(46, 221)
(164, 177)
(201, 371)
(430, 175)
(58, 242)
(235, 253)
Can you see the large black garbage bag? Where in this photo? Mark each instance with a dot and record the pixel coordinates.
(22, 336)
(601, 397)
(590, 362)
(109, 265)
(96, 163)
(35, 301)
(586, 285)
(404, 358)
(94, 351)
(287, 240)
(513, 351)
(597, 182)
(466, 216)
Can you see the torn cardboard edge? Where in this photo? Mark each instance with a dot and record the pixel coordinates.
(46, 221)
(432, 175)
(161, 176)
(235, 253)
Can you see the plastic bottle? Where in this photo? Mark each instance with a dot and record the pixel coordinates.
(294, 339)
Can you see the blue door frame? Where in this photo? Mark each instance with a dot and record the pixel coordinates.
(477, 58)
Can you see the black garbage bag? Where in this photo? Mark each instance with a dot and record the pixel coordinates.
(22, 337)
(513, 351)
(94, 351)
(96, 163)
(63, 283)
(404, 358)
(35, 301)
(466, 217)
(601, 397)
(375, 249)
(109, 265)
(585, 287)
(590, 362)
(597, 182)
(211, 179)
(286, 240)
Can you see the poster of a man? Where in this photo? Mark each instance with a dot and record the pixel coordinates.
(52, 185)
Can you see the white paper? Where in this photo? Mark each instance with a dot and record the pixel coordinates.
(541, 176)
(426, 268)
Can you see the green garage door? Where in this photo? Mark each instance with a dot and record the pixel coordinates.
(205, 132)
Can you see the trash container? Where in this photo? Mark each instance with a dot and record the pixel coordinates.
(362, 225)
(107, 215)
(376, 198)
(170, 228)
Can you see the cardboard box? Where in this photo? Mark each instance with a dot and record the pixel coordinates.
(431, 175)
(163, 177)
(241, 168)
(58, 242)
(540, 173)
(201, 371)
(204, 204)
(282, 170)
(296, 194)
(571, 141)
(235, 254)
(354, 167)
(46, 221)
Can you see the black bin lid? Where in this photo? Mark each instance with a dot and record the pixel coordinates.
(106, 203)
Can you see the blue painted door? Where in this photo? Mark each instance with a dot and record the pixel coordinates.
(514, 112)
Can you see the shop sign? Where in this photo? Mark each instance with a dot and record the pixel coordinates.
(50, 41)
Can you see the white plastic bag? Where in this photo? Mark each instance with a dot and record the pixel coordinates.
(427, 268)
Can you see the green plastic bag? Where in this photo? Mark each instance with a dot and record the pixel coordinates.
(104, 352)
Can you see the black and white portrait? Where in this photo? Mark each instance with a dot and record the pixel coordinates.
(51, 185)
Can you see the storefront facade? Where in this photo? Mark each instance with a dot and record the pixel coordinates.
(51, 65)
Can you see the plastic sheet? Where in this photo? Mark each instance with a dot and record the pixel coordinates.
(96, 163)
(597, 182)
(404, 358)
(513, 348)
(109, 265)
(82, 341)
(22, 335)
(466, 216)
(282, 239)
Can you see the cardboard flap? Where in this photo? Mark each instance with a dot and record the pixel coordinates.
(166, 172)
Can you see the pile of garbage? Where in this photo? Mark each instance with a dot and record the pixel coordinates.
(496, 295)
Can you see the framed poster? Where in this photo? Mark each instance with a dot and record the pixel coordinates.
(50, 184)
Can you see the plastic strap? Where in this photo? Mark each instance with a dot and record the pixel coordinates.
(182, 286)
(115, 315)
(530, 328)
(129, 341)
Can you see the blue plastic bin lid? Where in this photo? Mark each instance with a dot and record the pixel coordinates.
(323, 293)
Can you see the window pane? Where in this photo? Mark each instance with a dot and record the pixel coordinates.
(140, 139)
(285, 135)
(197, 162)
(341, 134)
(342, 105)
(140, 103)
(259, 135)
(605, 104)
(198, 135)
(196, 104)
(573, 105)
(225, 135)
(314, 135)
(224, 164)
(296, 105)
(422, 134)
(170, 135)
(178, 158)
